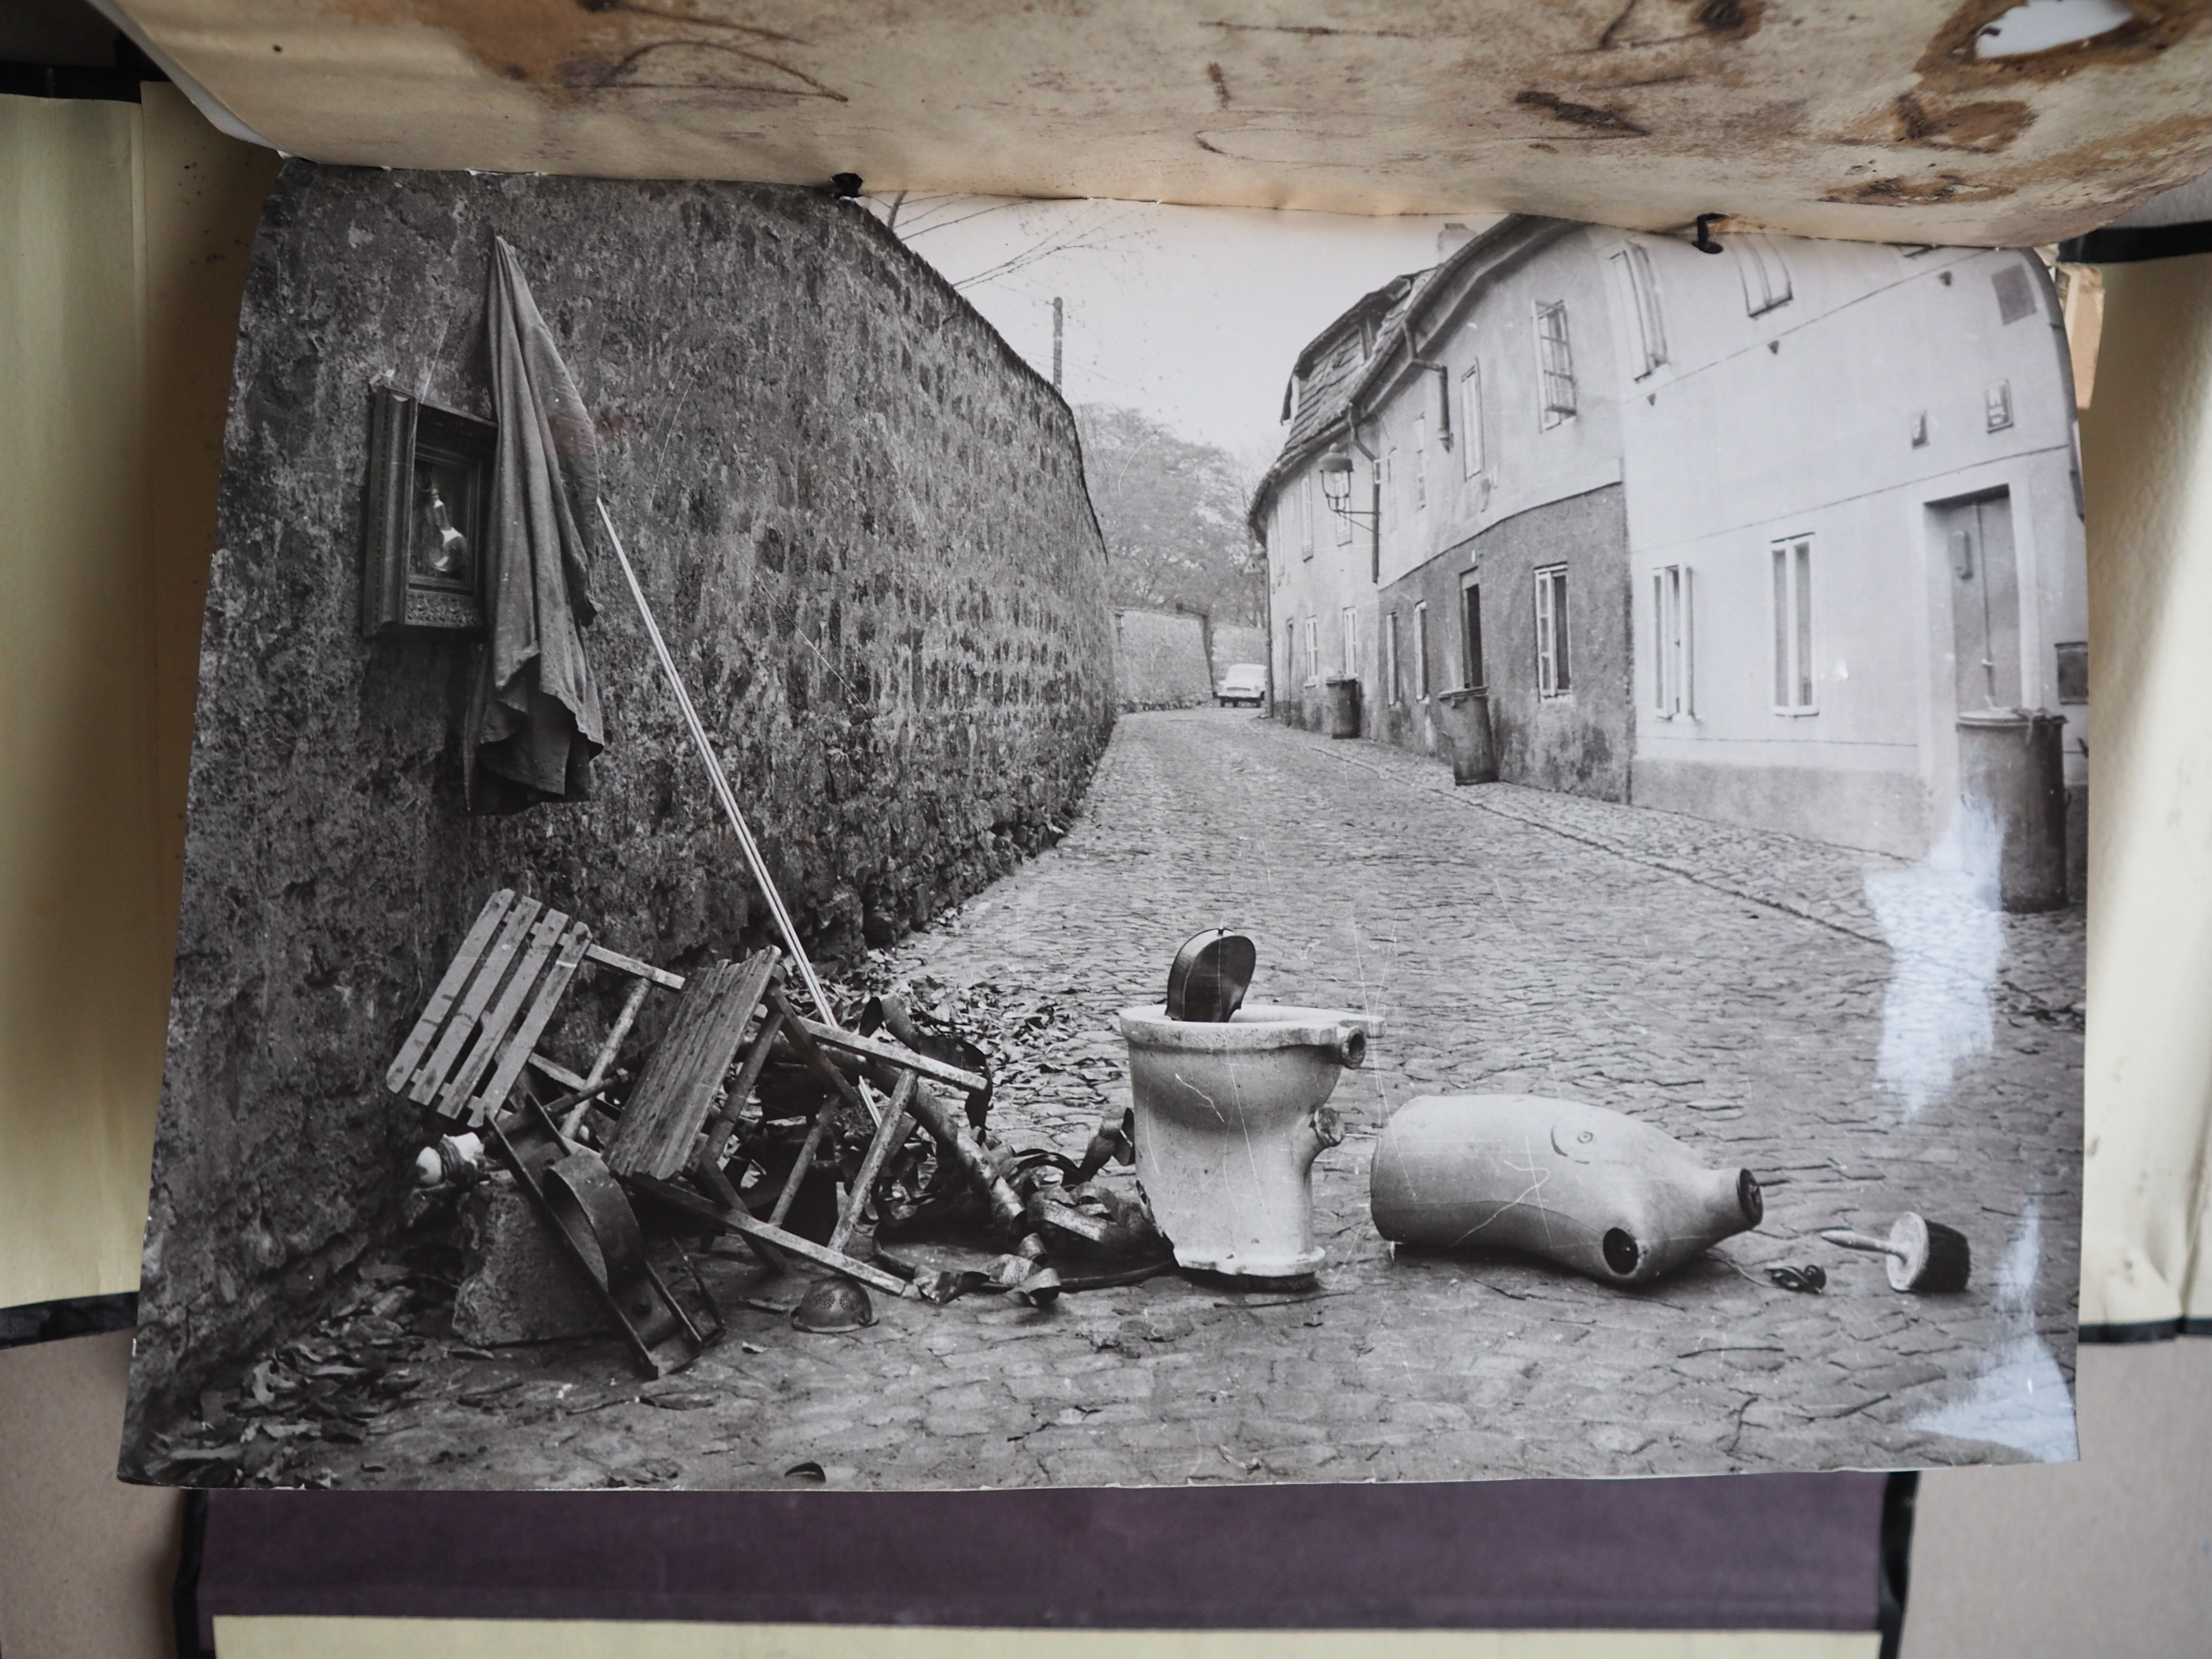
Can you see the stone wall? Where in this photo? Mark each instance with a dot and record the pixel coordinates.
(1234, 642)
(1162, 660)
(863, 524)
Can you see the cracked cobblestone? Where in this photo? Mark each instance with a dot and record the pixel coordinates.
(1727, 985)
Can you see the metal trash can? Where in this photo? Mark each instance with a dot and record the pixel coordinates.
(1463, 717)
(1340, 703)
(2011, 767)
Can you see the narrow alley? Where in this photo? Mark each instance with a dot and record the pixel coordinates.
(1725, 984)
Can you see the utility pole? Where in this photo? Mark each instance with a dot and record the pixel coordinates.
(1058, 312)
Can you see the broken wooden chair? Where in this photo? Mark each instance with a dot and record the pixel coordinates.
(480, 1030)
(477, 1036)
(668, 1143)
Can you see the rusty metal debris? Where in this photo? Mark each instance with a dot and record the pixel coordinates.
(804, 1140)
(579, 1200)
(1210, 974)
(833, 1306)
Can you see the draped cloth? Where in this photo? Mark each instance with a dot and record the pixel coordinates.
(534, 722)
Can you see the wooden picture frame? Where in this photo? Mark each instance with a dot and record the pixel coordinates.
(429, 499)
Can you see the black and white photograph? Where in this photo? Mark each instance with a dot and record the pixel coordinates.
(889, 841)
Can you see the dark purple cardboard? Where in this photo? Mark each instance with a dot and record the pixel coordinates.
(1756, 1552)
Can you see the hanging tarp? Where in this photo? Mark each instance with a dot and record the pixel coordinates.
(534, 720)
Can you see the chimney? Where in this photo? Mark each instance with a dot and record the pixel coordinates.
(1452, 238)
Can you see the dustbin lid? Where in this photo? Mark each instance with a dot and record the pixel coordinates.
(2010, 717)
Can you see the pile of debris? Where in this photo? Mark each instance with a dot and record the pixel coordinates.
(806, 1140)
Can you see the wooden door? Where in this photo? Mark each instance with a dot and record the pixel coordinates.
(1984, 601)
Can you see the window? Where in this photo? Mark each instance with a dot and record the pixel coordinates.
(1553, 678)
(1638, 286)
(1350, 643)
(1470, 622)
(1304, 494)
(1393, 685)
(1765, 278)
(1671, 641)
(1420, 462)
(1389, 483)
(1793, 626)
(1421, 651)
(1555, 362)
(1470, 421)
(1313, 650)
(2015, 297)
(2073, 670)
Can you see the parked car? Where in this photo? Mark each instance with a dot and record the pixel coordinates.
(1244, 682)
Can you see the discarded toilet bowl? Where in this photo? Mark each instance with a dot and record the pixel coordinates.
(1230, 1117)
(1584, 1186)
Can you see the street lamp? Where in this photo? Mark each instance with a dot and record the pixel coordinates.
(1336, 484)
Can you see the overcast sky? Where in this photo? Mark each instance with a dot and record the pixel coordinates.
(1193, 315)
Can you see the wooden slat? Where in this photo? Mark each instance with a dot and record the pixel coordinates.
(668, 1108)
(741, 1220)
(888, 1137)
(603, 1062)
(500, 1019)
(748, 1076)
(668, 1081)
(512, 932)
(797, 1033)
(560, 1074)
(449, 988)
(659, 976)
(803, 1163)
(551, 989)
(869, 1047)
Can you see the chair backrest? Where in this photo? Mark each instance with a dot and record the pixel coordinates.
(492, 1005)
(670, 1104)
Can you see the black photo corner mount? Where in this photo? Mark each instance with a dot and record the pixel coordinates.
(1899, 1497)
(428, 501)
(68, 1316)
(2126, 244)
(184, 1585)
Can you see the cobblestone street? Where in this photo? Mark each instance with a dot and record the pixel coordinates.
(1726, 985)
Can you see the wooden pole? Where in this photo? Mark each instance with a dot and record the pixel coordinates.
(722, 791)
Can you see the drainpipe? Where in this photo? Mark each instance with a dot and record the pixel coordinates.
(1443, 373)
(1268, 620)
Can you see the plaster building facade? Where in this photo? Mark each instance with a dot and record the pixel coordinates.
(1739, 536)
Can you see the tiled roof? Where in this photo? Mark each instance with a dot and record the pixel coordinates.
(1328, 369)
(1338, 367)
